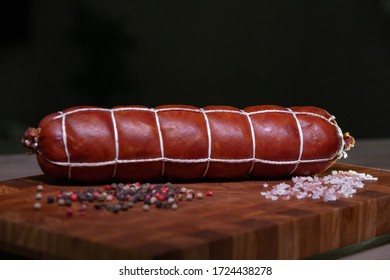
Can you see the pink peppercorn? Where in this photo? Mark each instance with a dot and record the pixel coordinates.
(164, 189)
(74, 197)
(160, 196)
(209, 193)
(69, 211)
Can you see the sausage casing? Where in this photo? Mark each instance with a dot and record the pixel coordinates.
(136, 143)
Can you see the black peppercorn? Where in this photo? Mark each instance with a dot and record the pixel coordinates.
(50, 199)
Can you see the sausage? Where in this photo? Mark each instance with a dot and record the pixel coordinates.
(182, 142)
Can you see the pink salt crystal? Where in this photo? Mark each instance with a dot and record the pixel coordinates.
(340, 184)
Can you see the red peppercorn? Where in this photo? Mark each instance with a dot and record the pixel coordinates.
(83, 209)
(107, 187)
(69, 211)
(209, 193)
(160, 196)
(164, 189)
(74, 197)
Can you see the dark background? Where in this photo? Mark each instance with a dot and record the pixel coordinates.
(332, 54)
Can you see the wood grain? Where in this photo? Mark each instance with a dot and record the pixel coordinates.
(235, 223)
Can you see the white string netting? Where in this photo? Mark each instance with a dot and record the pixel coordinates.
(209, 159)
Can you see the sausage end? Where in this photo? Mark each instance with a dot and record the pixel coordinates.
(30, 139)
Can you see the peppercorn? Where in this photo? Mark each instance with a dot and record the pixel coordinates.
(121, 196)
(116, 208)
(69, 211)
(124, 206)
(138, 197)
(199, 195)
(61, 201)
(100, 206)
(37, 205)
(73, 197)
(146, 207)
(147, 201)
(91, 198)
(130, 204)
(160, 196)
(50, 199)
(174, 206)
(153, 199)
(158, 204)
(90, 190)
(83, 207)
(68, 202)
(96, 193)
(164, 190)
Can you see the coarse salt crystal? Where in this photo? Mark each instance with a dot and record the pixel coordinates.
(340, 184)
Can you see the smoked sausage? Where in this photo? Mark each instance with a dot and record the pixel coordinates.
(182, 142)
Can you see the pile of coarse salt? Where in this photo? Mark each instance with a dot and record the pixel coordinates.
(339, 184)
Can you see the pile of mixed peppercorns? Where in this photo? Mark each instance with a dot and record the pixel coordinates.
(121, 197)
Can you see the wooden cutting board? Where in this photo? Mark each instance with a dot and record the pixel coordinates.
(235, 223)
